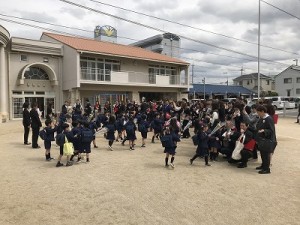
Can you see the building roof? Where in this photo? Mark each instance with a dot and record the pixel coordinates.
(219, 89)
(292, 67)
(251, 76)
(108, 48)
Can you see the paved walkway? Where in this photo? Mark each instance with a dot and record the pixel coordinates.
(133, 187)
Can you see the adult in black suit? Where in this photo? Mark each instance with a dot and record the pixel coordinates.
(35, 125)
(26, 122)
(265, 129)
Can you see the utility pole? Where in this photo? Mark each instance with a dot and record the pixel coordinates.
(203, 80)
(258, 53)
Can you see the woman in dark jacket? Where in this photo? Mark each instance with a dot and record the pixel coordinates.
(266, 132)
(26, 122)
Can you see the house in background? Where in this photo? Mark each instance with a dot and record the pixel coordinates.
(249, 81)
(287, 83)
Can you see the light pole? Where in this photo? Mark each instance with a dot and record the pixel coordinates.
(258, 54)
(203, 80)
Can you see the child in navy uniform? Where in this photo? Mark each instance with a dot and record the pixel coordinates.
(77, 140)
(143, 128)
(169, 141)
(130, 128)
(87, 136)
(49, 129)
(70, 137)
(111, 128)
(202, 148)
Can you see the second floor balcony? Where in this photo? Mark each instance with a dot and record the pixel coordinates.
(131, 78)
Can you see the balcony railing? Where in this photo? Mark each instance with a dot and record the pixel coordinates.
(127, 77)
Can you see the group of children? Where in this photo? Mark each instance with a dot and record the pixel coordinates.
(169, 124)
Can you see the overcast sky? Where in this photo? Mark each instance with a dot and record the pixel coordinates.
(234, 18)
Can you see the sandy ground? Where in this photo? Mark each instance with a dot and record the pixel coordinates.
(133, 187)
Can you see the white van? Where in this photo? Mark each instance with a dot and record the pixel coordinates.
(279, 102)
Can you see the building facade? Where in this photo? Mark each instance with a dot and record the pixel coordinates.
(58, 68)
(249, 81)
(287, 83)
(166, 44)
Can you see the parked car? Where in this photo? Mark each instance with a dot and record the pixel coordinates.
(279, 102)
(297, 101)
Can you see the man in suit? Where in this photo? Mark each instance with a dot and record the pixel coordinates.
(35, 125)
(26, 122)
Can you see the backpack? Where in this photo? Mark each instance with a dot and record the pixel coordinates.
(195, 139)
(142, 127)
(60, 139)
(87, 136)
(167, 141)
(129, 129)
(43, 134)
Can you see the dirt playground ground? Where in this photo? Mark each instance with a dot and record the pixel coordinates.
(133, 187)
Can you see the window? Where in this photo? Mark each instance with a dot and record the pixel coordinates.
(268, 82)
(298, 80)
(23, 57)
(36, 73)
(17, 92)
(17, 107)
(39, 92)
(98, 68)
(287, 80)
(241, 83)
(248, 82)
(298, 91)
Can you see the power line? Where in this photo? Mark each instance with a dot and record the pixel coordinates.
(189, 26)
(89, 31)
(161, 30)
(62, 32)
(58, 25)
(280, 9)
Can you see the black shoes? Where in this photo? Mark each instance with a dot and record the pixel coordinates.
(242, 165)
(191, 161)
(37, 147)
(28, 143)
(264, 172)
(259, 168)
(59, 164)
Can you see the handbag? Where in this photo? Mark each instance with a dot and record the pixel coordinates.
(266, 145)
(236, 154)
(68, 148)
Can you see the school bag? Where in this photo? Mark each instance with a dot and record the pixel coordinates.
(87, 136)
(167, 141)
(60, 139)
(68, 148)
(130, 129)
(142, 127)
(43, 134)
(195, 139)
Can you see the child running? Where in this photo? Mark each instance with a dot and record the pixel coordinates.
(202, 148)
(169, 142)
